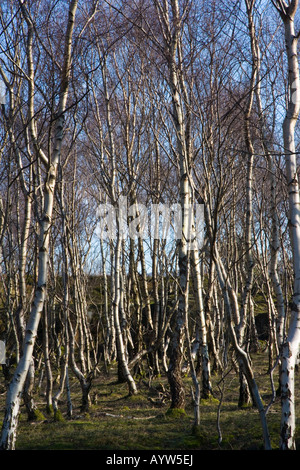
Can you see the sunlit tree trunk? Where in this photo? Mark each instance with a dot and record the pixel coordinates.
(85, 381)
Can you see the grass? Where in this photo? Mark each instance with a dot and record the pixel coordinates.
(116, 421)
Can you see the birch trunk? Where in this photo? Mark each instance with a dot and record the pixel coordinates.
(108, 332)
(136, 298)
(155, 258)
(22, 269)
(275, 241)
(156, 314)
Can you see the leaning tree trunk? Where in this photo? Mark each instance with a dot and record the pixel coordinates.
(14, 394)
(85, 380)
(17, 384)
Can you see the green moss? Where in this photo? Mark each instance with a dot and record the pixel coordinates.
(200, 439)
(49, 410)
(38, 415)
(176, 413)
(136, 398)
(191, 443)
(209, 401)
(246, 406)
(227, 441)
(196, 430)
(58, 416)
(140, 375)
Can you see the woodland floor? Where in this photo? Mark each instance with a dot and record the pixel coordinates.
(119, 422)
